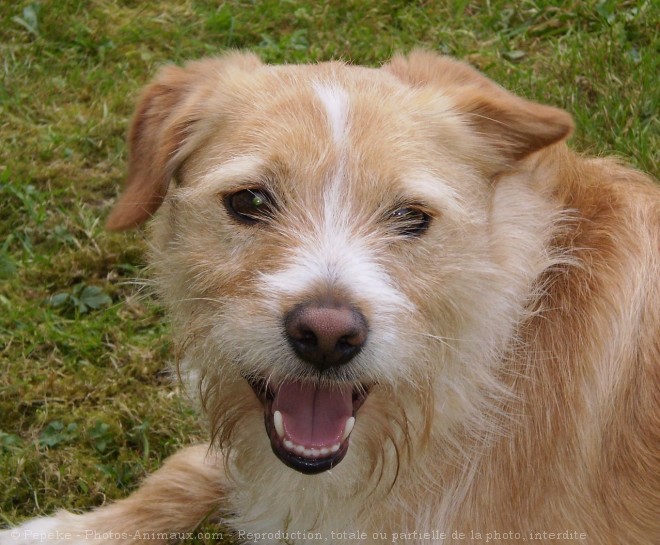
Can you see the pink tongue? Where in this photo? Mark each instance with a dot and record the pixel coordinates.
(314, 416)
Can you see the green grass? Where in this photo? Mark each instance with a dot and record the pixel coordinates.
(86, 408)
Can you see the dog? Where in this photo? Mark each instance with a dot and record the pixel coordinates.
(409, 313)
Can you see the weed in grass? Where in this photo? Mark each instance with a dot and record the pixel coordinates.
(80, 299)
(55, 433)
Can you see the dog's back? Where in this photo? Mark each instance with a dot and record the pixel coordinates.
(583, 456)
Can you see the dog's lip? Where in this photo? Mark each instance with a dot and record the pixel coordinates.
(309, 463)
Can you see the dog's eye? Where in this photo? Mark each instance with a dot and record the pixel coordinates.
(410, 221)
(250, 205)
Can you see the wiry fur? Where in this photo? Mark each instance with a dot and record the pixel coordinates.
(513, 349)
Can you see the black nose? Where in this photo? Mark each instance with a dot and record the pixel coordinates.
(325, 334)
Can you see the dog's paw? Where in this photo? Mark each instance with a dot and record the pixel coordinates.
(43, 531)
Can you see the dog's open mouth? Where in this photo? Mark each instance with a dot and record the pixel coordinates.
(309, 425)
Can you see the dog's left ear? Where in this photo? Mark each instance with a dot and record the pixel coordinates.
(514, 126)
(166, 126)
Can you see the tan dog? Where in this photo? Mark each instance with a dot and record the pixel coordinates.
(448, 323)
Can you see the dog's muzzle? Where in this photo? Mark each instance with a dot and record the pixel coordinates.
(309, 422)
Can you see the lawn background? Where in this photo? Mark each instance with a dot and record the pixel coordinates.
(86, 405)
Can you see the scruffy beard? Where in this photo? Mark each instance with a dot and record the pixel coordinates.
(401, 427)
(429, 395)
(385, 435)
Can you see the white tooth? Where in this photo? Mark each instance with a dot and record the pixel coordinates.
(324, 451)
(314, 452)
(288, 444)
(335, 448)
(299, 449)
(307, 452)
(279, 423)
(348, 429)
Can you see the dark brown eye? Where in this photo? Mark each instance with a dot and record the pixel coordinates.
(250, 205)
(410, 221)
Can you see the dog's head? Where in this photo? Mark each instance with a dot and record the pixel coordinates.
(326, 243)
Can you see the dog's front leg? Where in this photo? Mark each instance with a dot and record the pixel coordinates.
(172, 501)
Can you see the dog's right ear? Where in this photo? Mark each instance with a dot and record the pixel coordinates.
(164, 131)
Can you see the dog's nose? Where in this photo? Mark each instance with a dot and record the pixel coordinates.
(325, 335)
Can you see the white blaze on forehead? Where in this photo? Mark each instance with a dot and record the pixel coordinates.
(336, 104)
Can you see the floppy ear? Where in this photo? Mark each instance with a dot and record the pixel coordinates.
(165, 127)
(514, 126)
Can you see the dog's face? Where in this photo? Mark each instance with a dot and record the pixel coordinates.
(329, 253)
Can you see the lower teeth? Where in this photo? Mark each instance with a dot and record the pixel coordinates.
(309, 452)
